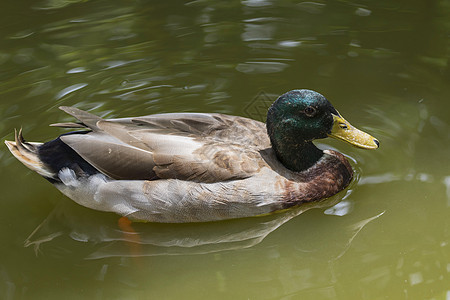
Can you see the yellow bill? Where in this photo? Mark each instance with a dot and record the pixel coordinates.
(343, 130)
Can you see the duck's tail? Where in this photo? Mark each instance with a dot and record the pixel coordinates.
(27, 153)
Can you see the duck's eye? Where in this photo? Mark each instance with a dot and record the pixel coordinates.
(310, 111)
(343, 125)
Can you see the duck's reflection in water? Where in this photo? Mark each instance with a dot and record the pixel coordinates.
(113, 237)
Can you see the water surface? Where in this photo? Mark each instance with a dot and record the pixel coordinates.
(383, 64)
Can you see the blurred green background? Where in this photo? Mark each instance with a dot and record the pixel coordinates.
(383, 64)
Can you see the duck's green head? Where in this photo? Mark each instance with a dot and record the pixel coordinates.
(300, 116)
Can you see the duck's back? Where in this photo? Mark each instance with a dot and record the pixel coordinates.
(188, 146)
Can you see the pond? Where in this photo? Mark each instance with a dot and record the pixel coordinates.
(383, 64)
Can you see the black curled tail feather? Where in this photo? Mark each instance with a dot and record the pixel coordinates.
(27, 153)
(48, 159)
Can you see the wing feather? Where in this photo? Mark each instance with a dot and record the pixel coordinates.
(188, 146)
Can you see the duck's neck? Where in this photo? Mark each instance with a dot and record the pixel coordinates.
(296, 156)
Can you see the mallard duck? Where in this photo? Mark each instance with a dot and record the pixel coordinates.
(197, 167)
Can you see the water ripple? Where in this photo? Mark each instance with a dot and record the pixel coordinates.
(70, 89)
(261, 67)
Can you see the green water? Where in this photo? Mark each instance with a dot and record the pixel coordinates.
(383, 64)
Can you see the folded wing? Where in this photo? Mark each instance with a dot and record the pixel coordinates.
(189, 146)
